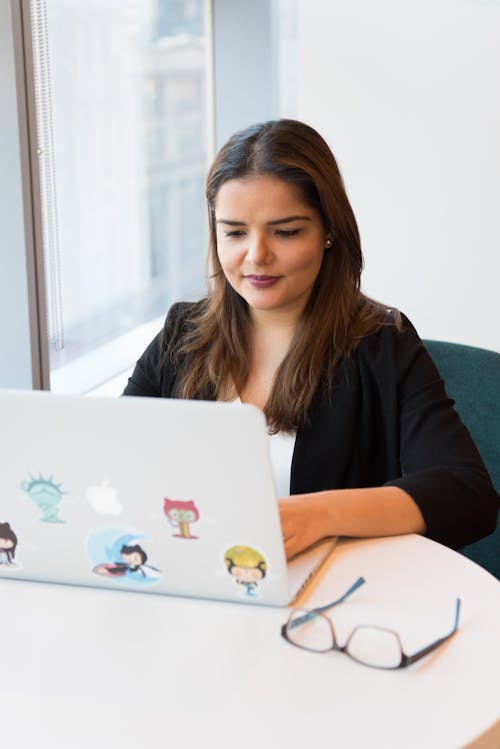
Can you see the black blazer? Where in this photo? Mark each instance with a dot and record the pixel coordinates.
(386, 421)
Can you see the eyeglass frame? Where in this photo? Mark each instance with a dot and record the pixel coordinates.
(406, 660)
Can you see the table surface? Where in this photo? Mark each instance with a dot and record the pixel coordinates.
(82, 667)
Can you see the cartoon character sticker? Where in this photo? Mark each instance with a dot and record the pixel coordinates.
(116, 553)
(248, 568)
(181, 514)
(8, 543)
(47, 495)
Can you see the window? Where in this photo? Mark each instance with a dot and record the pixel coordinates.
(121, 98)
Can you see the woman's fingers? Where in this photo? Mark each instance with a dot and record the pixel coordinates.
(294, 526)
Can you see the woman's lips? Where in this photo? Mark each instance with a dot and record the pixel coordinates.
(262, 282)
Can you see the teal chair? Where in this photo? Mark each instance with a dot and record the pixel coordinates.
(472, 379)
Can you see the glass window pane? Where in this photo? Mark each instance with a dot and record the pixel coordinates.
(286, 27)
(122, 122)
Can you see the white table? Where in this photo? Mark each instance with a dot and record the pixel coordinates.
(95, 668)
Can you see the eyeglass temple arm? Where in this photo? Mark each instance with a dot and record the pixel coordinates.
(310, 614)
(359, 582)
(408, 659)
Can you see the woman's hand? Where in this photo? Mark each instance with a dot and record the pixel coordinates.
(304, 520)
(377, 511)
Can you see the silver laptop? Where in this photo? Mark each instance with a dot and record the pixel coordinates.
(144, 494)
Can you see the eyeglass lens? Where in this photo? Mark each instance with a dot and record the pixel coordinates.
(372, 646)
(375, 647)
(310, 631)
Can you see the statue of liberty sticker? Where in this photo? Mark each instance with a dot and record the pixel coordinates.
(47, 496)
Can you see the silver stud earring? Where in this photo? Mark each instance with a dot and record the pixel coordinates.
(328, 244)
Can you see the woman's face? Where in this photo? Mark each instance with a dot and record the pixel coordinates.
(270, 243)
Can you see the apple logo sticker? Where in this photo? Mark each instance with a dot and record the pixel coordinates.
(103, 498)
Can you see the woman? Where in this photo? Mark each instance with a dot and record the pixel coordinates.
(366, 440)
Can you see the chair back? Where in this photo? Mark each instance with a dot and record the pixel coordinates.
(472, 379)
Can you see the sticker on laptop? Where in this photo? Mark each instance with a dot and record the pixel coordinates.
(181, 514)
(8, 544)
(120, 554)
(248, 568)
(47, 496)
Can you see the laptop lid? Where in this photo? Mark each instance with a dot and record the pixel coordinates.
(145, 494)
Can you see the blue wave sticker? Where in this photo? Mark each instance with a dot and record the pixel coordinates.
(116, 553)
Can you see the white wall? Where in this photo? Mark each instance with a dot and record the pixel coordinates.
(407, 95)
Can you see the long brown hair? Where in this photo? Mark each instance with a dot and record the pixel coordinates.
(337, 315)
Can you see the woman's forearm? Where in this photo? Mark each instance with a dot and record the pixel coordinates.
(378, 511)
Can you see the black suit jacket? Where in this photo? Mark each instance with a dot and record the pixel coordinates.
(387, 420)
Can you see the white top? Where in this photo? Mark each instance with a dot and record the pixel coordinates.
(281, 450)
(281, 447)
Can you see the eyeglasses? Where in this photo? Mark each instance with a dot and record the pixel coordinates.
(372, 646)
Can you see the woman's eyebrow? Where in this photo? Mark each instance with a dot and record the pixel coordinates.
(284, 220)
(288, 219)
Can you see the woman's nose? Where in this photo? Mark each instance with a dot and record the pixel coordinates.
(258, 251)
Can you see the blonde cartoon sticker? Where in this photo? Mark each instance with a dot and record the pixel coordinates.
(248, 568)
(116, 553)
(180, 514)
(47, 496)
(8, 544)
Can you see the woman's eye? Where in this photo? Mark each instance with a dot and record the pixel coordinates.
(235, 234)
(287, 232)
